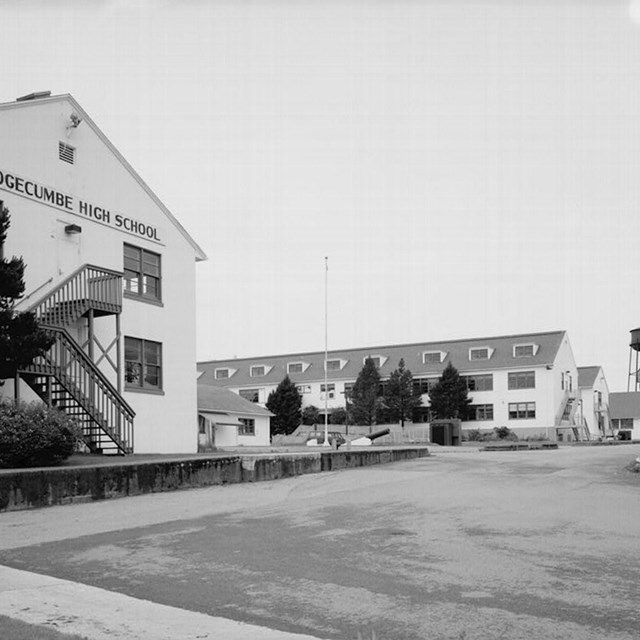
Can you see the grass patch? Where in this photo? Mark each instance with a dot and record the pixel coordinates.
(13, 629)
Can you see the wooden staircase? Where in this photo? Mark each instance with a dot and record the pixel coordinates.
(65, 377)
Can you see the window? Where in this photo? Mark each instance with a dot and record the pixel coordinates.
(303, 388)
(424, 385)
(622, 423)
(247, 427)
(141, 273)
(295, 367)
(252, 395)
(480, 412)
(377, 360)
(221, 374)
(66, 153)
(143, 364)
(524, 350)
(432, 357)
(566, 381)
(257, 370)
(480, 353)
(522, 380)
(331, 387)
(482, 382)
(334, 365)
(522, 410)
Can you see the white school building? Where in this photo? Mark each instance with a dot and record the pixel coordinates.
(529, 382)
(110, 272)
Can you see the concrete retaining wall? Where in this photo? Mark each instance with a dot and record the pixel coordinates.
(27, 489)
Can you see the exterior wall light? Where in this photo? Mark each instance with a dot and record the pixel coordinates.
(72, 229)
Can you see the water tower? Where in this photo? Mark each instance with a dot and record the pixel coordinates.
(634, 364)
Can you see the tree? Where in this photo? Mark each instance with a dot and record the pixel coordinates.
(400, 398)
(310, 415)
(338, 415)
(365, 401)
(21, 338)
(285, 402)
(449, 396)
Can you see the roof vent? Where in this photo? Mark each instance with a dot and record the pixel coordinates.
(34, 96)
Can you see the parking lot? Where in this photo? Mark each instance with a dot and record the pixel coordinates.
(463, 544)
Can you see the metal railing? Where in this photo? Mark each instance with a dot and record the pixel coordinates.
(88, 387)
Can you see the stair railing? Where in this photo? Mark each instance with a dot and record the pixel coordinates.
(88, 385)
(87, 287)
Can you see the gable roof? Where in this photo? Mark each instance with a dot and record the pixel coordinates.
(36, 99)
(456, 352)
(587, 376)
(624, 404)
(219, 400)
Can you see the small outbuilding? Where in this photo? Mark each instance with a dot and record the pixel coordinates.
(227, 420)
(625, 414)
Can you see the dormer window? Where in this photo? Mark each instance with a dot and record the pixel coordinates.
(433, 357)
(377, 360)
(257, 370)
(480, 353)
(335, 365)
(221, 374)
(297, 367)
(524, 350)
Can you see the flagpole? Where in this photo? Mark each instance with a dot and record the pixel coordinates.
(326, 334)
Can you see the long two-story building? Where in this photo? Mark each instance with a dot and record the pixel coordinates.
(529, 382)
(110, 273)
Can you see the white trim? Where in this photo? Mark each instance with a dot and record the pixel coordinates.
(488, 349)
(441, 354)
(526, 344)
(267, 368)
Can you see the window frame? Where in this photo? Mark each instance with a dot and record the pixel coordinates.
(519, 413)
(517, 380)
(254, 393)
(246, 423)
(221, 377)
(140, 275)
(481, 412)
(472, 381)
(257, 375)
(143, 385)
(473, 350)
(291, 365)
(533, 346)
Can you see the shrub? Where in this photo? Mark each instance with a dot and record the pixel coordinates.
(474, 435)
(33, 435)
(338, 416)
(504, 433)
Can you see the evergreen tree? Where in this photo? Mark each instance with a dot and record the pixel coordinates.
(400, 398)
(310, 415)
(21, 339)
(364, 400)
(449, 396)
(285, 402)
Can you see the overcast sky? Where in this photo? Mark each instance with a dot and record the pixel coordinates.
(469, 168)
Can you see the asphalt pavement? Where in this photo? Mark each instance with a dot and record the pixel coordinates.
(463, 544)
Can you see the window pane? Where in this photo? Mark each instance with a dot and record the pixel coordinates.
(133, 349)
(152, 376)
(152, 353)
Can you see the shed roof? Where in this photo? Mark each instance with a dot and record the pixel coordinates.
(624, 404)
(218, 400)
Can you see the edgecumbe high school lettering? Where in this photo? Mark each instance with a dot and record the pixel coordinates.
(30, 189)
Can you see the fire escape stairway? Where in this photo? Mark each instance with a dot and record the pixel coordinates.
(568, 419)
(66, 377)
